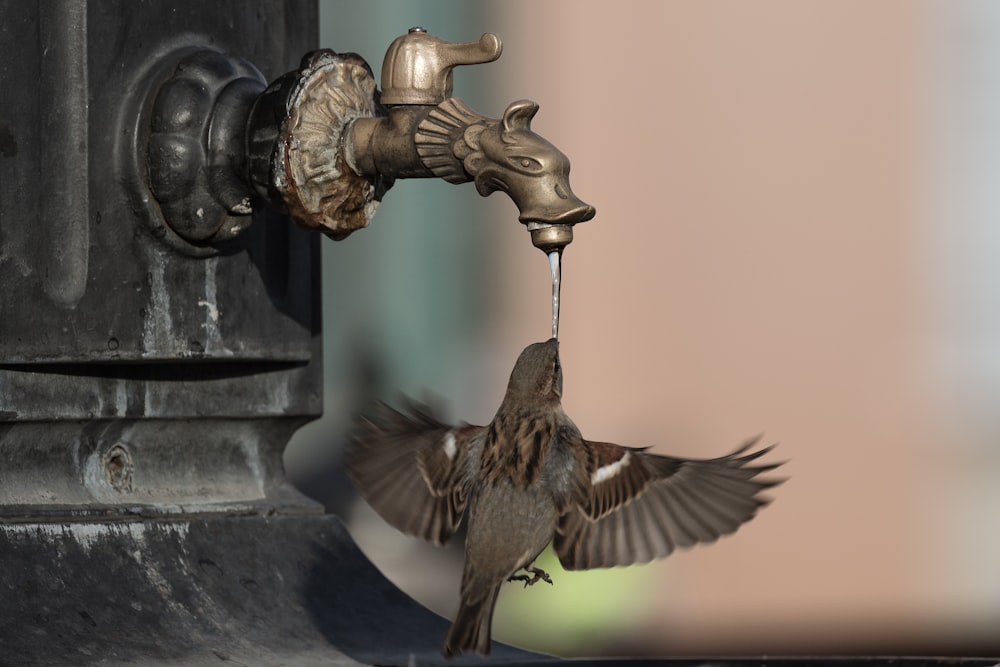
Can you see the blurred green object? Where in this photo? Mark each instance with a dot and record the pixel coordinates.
(582, 613)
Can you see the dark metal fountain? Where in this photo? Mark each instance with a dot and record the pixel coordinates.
(159, 323)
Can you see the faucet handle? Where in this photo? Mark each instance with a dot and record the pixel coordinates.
(417, 66)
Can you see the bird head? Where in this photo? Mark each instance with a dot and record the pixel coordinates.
(537, 374)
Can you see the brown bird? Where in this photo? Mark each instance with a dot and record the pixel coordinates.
(529, 478)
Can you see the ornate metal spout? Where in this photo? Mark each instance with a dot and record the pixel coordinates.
(419, 130)
(325, 145)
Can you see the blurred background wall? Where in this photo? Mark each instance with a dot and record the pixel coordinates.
(797, 233)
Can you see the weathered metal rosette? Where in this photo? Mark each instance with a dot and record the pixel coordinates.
(305, 155)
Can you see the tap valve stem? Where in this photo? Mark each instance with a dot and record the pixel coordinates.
(417, 68)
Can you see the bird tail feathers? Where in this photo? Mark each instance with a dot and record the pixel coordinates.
(471, 629)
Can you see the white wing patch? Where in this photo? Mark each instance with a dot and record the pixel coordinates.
(450, 446)
(607, 472)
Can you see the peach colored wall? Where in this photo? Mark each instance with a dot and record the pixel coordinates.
(758, 263)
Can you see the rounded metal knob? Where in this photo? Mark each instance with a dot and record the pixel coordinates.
(194, 158)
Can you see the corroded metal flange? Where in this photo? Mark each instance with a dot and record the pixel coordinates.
(303, 160)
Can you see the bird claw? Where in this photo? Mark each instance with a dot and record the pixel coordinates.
(537, 574)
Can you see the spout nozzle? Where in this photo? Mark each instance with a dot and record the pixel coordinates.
(549, 238)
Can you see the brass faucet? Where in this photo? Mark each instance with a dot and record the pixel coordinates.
(341, 145)
(213, 140)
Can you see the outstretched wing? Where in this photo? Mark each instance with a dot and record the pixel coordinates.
(642, 506)
(410, 468)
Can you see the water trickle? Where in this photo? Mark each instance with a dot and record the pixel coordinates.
(555, 267)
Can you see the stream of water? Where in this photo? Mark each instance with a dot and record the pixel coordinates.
(555, 267)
